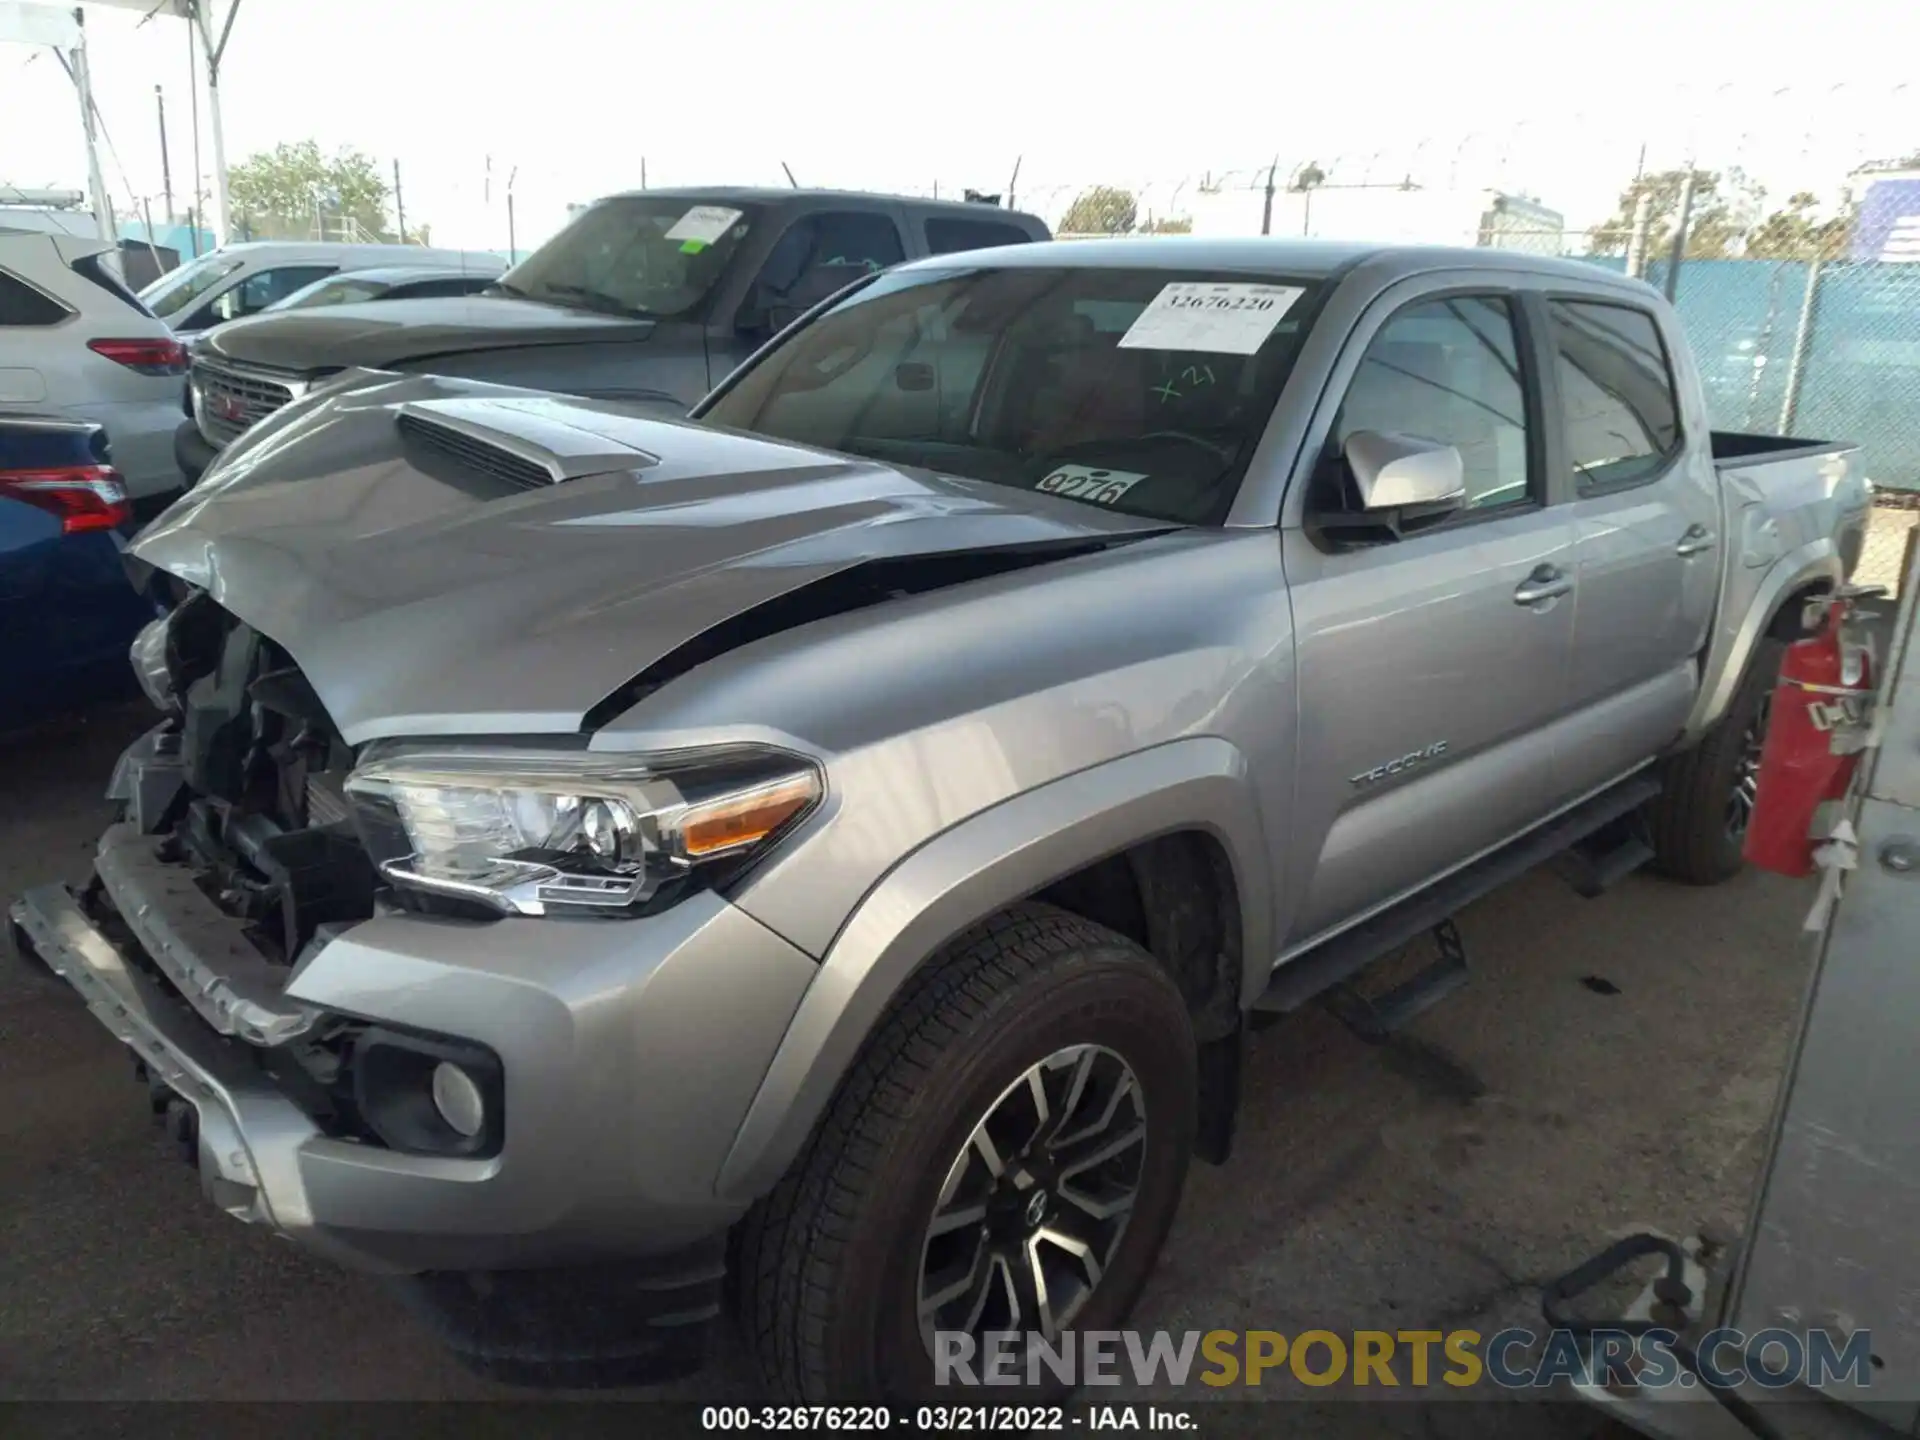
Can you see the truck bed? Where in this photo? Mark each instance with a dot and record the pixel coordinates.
(1733, 448)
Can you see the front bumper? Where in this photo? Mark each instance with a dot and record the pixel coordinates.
(193, 453)
(630, 1050)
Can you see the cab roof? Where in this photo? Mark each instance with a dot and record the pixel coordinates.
(775, 195)
(1267, 255)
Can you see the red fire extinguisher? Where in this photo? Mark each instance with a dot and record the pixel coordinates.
(1818, 716)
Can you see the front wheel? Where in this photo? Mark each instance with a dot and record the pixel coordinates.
(1006, 1155)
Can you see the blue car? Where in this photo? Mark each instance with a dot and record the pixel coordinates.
(67, 609)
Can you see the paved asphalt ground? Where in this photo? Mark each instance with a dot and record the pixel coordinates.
(1611, 1066)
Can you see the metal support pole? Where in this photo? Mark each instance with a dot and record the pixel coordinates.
(513, 243)
(222, 216)
(399, 204)
(96, 179)
(1802, 340)
(1637, 237)
(1680, 234)
(213, 51)
(1266, 210)
(166, 164)
(197, 208)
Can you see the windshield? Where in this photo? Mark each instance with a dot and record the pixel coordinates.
(177, 289)
(334, 290)
(645, 255)
(1141, 390)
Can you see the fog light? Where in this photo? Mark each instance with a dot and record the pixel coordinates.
(458, 1099)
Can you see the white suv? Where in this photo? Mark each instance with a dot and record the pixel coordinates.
(244, 279)
(74, 340)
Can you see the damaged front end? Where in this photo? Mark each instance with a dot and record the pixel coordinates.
(236, 859)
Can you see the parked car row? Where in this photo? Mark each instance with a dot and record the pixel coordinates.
(76, 341)
(823, 853)
(714, 271)
(650, 298)
(240, 280)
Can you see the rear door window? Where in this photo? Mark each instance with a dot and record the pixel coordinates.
(23, 305)
(1618, 404)
(257, 292)
(946, 235)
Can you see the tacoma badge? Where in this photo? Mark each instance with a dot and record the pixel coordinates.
(1402, 765)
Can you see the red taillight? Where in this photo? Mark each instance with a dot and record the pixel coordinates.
(85, 497)
(149, 357)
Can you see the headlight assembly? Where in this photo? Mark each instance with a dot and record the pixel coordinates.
(525, 832)
(149, 656)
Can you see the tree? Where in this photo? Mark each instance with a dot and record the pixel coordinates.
(1170, 225)
(1724, 206)
(285, 191)
(1102, 210)
(1794, 234)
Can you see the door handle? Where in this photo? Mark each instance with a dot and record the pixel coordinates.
(1697, 539)
(1545, 583)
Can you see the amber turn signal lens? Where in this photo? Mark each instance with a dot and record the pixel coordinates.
(744, 819)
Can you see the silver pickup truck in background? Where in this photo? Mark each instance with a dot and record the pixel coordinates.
(826, 858)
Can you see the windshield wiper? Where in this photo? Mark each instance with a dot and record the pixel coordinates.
(592, 299)
(501, 287)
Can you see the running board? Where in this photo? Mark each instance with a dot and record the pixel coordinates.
(1605, 858)
(1299, 980)
(1376, 1019)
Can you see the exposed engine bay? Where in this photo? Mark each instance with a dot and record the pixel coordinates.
(262, 816)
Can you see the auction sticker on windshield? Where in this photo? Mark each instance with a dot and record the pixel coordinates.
(704, 223)
(1222, 319)
(1088, 482)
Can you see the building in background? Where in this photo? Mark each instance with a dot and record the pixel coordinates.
(1887, 227)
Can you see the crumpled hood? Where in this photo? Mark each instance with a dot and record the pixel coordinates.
(389, 332)
(423, 596)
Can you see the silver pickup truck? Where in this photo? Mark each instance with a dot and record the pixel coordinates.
(824, 859)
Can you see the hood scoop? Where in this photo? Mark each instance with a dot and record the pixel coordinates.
(526, 441)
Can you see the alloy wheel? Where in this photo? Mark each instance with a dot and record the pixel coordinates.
(1746, 772)
(1034, 1206)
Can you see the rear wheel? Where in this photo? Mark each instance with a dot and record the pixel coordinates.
(1007, 1154)
(1700, 820)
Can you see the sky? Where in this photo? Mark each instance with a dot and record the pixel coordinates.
(574, 99)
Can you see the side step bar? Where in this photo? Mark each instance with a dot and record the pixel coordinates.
(1605, 858)
(1376, 1019)
(1351, 951)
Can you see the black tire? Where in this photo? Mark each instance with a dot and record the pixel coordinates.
(1694, 840)
(829, 1264)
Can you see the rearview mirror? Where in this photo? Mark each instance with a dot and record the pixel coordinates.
(1396, 472)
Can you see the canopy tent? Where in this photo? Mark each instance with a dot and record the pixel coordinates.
(64, 30)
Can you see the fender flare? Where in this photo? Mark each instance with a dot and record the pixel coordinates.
(985, 863)
(1815, 563)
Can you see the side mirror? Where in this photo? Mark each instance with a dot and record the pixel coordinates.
(1403, 472)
